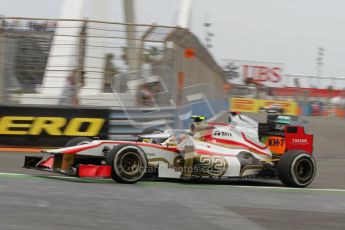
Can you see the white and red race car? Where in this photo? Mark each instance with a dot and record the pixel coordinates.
(208, 150)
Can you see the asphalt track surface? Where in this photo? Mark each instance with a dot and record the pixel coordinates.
(39, 200)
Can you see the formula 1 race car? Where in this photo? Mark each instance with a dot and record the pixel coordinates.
(208, 150)
(272, 108)
(244, 124)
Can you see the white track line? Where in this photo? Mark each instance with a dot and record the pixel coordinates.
(14, 174)
(289, 188)
(236, 186)
(28, 175)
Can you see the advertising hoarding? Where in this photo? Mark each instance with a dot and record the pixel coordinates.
(251, 105)
(265, 73)
(37, 126)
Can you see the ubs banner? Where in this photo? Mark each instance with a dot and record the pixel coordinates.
(50, 127)
(266, 73)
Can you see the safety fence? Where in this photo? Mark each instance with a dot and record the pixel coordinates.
(314, 82)
(73, 62)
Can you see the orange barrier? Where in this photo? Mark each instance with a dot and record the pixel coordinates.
(340, 113)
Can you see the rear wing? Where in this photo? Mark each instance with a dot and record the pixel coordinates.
(283, 133)
(289, 138)
(297, 139)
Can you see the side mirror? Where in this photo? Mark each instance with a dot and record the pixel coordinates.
(106, 149)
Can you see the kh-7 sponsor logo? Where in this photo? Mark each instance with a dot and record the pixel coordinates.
(276, 144)
(55, 126)
(276, 141)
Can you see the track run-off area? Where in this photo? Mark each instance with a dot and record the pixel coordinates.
(33, 199)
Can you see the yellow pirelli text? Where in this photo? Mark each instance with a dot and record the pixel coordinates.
(54, 126)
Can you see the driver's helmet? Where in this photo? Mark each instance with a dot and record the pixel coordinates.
(197, 121)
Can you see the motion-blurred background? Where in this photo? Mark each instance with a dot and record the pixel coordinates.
(112, 68)
(130, 56)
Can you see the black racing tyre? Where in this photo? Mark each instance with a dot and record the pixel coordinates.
(78, 141)
(296, 168)
(128, 163)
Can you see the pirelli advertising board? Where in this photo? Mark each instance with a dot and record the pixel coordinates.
(257, 105)
(50, 127)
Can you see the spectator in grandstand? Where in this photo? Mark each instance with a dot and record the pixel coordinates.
(155, 86)
(144, 95)
(3, 23)
(51, 26)
(82, 78)
(109, 72)
(70, 93)
(316, 108)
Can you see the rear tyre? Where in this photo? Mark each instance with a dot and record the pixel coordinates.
(78, 141)
(128, 164)
(296, 169)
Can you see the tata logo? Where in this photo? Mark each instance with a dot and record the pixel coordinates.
(55, 126)
(224, 134)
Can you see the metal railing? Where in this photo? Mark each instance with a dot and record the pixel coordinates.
(321, 82)
(72, 62)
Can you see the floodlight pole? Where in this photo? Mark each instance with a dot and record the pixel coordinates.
(132, 52)
(319, 63)
(185, 14)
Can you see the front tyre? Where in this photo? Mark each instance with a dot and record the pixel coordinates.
(151, 131)
(78, 141)
(296, 169)
(128, 164)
